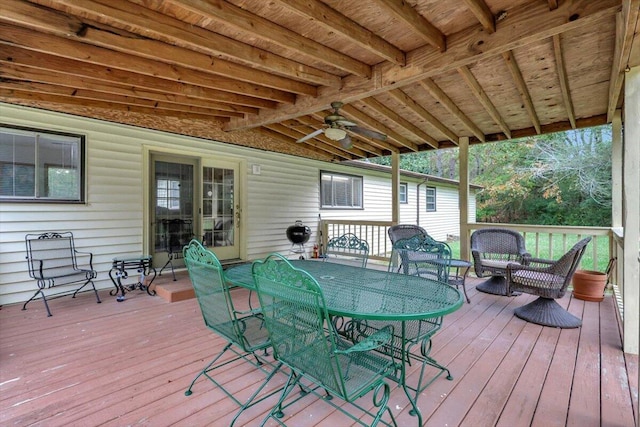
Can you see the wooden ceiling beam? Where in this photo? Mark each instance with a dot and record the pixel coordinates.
(30, 74)
(56, 91)
(434, 90)
(418, 109)
(525, 24)
(36, 60)
(264, 29)
(151, 24)
(323, 15)
(106, 105)
(368, 121)
(400, 121)
(403, 11)
(564, 80)
(484, 99)
(521, 85)
(482, 12)
(626, 21)
(52, 22)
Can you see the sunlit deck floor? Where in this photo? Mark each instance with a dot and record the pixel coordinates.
(129, 363)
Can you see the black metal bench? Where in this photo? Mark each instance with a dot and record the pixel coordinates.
(53, 261)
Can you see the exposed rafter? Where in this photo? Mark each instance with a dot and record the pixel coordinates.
(564, 80)
(521, 85)
(480, 9)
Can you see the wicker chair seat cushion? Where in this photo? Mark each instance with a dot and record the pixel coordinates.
(496, 263)
(537, 279)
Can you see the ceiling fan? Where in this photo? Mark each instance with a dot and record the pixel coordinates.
(336, 126)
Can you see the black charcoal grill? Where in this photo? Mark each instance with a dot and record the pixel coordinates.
(298, 234)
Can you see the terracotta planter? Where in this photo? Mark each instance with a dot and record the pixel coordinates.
(589, 285)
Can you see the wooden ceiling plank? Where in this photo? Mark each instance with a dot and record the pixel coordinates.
(329, 148)
(157, 51)
(45, 89)
(65, 48)
(525, 24)
(52, 22)
(482, 12)
(70, 100)
(266, 30)
(282, 138)
(626, 21)
(400, 121)
(521, 85)
(148, 23)
(564, 80)
(484, 99)
(434, 90)
(410, 103)
(357, 115)
(403, 11)
(30, 74)
(335, 21)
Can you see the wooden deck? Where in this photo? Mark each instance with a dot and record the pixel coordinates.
(128, 363)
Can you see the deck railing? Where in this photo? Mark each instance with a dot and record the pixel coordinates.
(543, 241)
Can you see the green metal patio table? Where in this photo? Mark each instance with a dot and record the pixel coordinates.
(373, 295)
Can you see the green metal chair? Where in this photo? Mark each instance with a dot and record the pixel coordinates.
(422, 256)
(304, 339)
(244, 331)
(347, 247)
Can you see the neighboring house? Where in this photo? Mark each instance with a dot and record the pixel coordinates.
(133, 182)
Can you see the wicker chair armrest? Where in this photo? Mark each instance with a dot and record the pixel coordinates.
(532, 266)
(378, 339)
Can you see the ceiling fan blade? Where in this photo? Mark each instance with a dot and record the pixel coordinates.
(345, 122)
(311, 135)
(346, 142)
(368, 132)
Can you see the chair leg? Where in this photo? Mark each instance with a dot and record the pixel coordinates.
(547, 312)
(44, 299)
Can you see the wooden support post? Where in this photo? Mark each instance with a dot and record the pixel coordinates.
(463, 196)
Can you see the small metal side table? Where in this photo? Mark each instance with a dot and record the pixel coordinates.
(142, 264)
(459, 270)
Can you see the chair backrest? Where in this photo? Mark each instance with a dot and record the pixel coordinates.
(51, 254)
(214, 299)
(569, 262)
(423, 256)
(498, 244)
(404, 231)
(177, 233)
(296, 316)
(348, 247)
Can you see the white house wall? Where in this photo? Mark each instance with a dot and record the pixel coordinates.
(112, 221)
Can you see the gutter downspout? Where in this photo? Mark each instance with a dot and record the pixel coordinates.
(418, 199)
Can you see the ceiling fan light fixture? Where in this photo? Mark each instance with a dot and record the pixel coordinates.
(335, 134)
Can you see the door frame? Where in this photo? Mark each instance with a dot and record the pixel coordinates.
(200, 157)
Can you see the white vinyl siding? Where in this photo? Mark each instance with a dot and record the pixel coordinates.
(112, 221)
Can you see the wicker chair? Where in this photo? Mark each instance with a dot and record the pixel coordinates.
(347, 247)
(304, 339)
(548, 280)
(243, 330)
(492, 250)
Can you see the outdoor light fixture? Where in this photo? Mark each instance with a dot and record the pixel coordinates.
(335, 133)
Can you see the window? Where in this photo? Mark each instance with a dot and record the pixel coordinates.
(402, 196)
(431, 199)
(340, 191)
(41, 166)
(168, 194)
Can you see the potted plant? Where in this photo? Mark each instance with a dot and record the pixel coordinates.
(589, 285)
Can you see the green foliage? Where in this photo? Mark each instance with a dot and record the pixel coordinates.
(555, 179)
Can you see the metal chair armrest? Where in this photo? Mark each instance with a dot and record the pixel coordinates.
(378, 339)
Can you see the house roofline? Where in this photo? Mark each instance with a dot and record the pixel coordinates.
(387, 169)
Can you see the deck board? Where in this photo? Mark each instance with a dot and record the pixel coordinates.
(129, 363)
